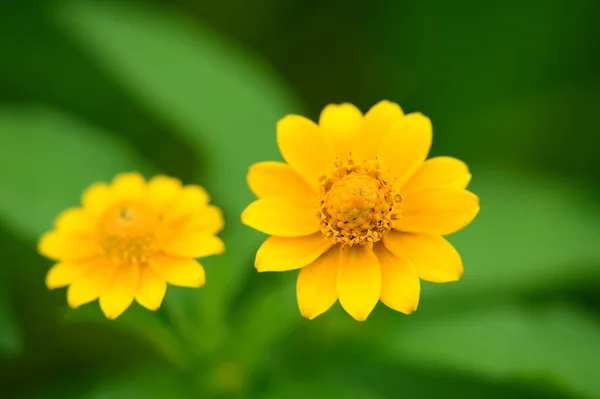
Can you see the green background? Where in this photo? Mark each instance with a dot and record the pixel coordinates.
(194, 89)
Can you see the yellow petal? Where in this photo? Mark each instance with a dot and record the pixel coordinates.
(439, 171)
(209, 220)
(400, 285)
(61, 246)
(283, 216)
(404, 149)
(129, 185)
(278, 254)
(359, 281)
(376, 124)
(119, 294)
(185, 201)
(316, 286)
(164, 191)
(64, 273)
(151, 290)
(196, 245)
(434, 258)
(89, 286)
(277, 179)
(74, 220)
(340, 124)
(304, 148)
(179, 271)
(438, 210)
(96, 199)
(194, 196)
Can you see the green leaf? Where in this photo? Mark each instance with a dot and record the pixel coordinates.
(140, 322)
(314, 354)
(143, 383)
(266, 318)
(322, 389)
(151, 381)
(556, 344)
(46, 160)
(531, 233)
(222, 101)
(482, 90)
(10, 335)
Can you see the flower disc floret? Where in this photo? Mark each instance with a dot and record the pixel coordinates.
(358, 204)
(128, 233)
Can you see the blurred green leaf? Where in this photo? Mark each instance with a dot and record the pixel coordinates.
(181, 306)
(531, 233)
(265, 318)
(319, 390)
(140, 322)
(354, 363)
(149, 381)
(558, 344)
(465, 61)
(46, 160)
(142, 383)
(221, 100)
(10, 334)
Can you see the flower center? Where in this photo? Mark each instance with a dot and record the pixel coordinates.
(128, 233)
(357, 204)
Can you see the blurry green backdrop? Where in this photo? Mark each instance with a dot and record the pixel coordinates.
(194, 89)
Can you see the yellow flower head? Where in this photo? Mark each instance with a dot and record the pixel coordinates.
(359, 210)
(129, 239)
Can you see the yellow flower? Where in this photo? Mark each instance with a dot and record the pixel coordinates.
(129, 239)
(359, 210)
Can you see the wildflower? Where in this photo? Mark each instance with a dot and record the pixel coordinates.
(359, 210)
(129, 239)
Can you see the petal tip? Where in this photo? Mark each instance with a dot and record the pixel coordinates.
(361, 315)
(310, 316)
(111, 311)
(220, 247)
(360, 318)
(151, 307)
(111, 316)
(259, 266)
(50, 284)
(309, 313)
(43, 244)
(287, 123)
(198, 282)
(72, 302)
(467, 179)
(415, 307)
(387, 103)
(128, 174)
(244, 215)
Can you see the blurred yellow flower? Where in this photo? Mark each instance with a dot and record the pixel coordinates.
(129, 239)
(359, 210)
